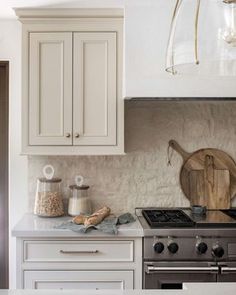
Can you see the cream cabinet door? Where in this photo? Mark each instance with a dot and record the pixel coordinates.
(50, 88)
(94, 88)
(78, 280)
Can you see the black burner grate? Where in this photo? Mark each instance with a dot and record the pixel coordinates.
(230, 212)
(167, 218)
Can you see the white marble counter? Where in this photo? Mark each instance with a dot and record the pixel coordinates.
(189, 289)
(34, 226)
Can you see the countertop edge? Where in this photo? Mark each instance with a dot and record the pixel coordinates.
(31, 226)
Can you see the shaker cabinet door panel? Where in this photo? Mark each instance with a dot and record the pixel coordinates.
(92, 280)
(50, 89)
(94, 88)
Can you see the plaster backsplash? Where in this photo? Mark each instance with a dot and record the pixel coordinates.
(142, 177)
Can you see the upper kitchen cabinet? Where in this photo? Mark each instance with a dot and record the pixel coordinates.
(147, 26)
(72, 81)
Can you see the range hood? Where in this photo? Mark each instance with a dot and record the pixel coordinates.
(147, 24)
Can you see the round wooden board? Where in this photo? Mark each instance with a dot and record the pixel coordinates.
(196, 161)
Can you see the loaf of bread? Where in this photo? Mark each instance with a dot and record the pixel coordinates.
(79, 219)
(97, 216)
(93, 219)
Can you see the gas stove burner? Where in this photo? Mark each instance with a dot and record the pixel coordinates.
(167, 218)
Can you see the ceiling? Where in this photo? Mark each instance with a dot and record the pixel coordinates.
(7, 12)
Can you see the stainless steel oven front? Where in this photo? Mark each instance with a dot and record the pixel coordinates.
(173, 256)
(172, 275)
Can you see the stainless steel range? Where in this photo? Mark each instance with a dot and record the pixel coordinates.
(183, 247)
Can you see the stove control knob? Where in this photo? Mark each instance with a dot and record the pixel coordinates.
(158, 247)
(173, 247)
(201, 248)
(217, 251)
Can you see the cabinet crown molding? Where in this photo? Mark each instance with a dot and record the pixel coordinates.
(67, 13)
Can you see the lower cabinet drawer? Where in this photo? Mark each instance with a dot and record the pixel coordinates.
(78, 280)
(78, 251)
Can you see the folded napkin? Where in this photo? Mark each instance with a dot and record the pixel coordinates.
(108, 225)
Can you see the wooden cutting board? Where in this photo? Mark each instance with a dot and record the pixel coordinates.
(194, 165)
(210, 187)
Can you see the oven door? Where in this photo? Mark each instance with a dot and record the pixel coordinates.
(227, 272)
(172, 275)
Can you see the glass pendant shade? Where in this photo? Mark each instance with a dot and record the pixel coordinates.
(202, 39)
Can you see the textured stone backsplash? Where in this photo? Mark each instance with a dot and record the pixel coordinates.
(142, 177)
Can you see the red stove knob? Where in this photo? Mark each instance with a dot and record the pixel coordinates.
(201, 248)
(173, 247)
(217, 251)
(158, 247)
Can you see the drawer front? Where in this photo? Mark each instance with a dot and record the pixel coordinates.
(78, 251)
(78, 280)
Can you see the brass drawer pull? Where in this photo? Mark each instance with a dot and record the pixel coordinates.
(79, 252)
(76, 135)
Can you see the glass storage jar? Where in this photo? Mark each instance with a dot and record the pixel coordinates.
(48, 199)
(79, 201)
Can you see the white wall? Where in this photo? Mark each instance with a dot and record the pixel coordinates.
(10, 49)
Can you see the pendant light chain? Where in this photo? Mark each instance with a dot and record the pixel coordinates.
(196, 31)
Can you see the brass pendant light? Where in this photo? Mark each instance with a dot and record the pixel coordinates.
(202, 39)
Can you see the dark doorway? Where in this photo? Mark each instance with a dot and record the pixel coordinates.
(4, 108)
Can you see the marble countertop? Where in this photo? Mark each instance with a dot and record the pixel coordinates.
(33, 226)
(189, 289)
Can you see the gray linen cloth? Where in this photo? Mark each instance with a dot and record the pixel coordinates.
(108, 225)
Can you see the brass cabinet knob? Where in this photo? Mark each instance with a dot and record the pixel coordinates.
(67, 134)
(76, 135)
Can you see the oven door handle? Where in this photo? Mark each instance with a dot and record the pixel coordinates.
(227, 270)
(181, 269)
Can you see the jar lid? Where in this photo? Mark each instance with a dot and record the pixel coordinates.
(79, 187)
(53, 180)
